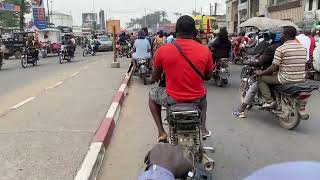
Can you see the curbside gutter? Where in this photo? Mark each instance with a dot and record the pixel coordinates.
(92, 162)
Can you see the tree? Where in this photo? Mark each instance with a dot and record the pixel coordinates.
(13, 19)
(153, 19)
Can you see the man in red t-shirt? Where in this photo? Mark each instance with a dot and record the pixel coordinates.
(183, 84)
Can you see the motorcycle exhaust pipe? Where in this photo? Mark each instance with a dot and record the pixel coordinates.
(207, 162)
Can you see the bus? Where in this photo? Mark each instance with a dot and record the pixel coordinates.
(206, 23)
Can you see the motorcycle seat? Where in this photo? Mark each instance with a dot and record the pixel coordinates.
(185, 109)
(295, 89)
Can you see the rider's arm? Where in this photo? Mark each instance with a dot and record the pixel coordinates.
(158, 66)
(208, 73)
(275, 64)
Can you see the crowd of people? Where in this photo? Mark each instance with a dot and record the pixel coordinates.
(187, 58)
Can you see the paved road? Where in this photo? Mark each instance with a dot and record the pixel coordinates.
(48, 136)
(242, 145)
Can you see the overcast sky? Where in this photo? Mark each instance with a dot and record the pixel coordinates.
(126, 9)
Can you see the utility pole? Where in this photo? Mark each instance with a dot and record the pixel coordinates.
(195, 6)
(210, 9)
(48, 11)
(215, 8)
(145, 17)
(201, 11)
(93, 9)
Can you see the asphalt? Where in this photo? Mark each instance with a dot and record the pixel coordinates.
(242, 145)
(48, 137)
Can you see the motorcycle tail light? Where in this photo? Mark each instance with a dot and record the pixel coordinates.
(304, 95)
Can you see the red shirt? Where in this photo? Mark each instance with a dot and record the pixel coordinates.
(312, 45)
(183, 83)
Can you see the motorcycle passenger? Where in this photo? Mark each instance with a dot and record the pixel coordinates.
(94, 44)
(264, 61)
(259, 49)
(158, 42)
(288, 66)
(142, 49)
(69, 45)
(221, 46)
(184, 83)
(31, 48)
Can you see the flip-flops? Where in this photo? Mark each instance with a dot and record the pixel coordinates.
(163, 140)
(208, 135)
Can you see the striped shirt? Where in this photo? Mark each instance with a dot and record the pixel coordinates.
(291, 59)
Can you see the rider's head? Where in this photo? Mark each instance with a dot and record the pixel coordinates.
(307, 32)
(289, 33)
(141, 35)
(145, 29)
(161, 34)
(186, 27)
(242, 34)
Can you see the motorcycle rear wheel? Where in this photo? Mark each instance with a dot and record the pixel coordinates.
(24, 62)
(293, 120)
(61, 58)
(1, 61)
(219, 82)
(85, 52)
(35, 63)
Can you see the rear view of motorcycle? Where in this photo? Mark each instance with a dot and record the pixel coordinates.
(142, 68)
(29, 57)
(184, 121)
(88, 50)
(65, 54)
(222, 73)
(291, 99)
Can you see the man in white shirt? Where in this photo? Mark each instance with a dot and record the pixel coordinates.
(305, 42)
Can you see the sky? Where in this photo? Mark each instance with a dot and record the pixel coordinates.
(126, 9)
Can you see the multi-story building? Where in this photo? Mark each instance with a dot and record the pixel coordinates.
(239, 11)
(232, 15)
(102, 20)
(89, 20)
(292, 10)
(61, 19)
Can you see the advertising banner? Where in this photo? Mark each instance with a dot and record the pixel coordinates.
(39, 18)
(9, 7)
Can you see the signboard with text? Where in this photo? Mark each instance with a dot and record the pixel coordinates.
(39, 18)
(113, 23)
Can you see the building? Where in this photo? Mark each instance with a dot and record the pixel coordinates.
(61, 19)
(89, 20)
(311, 15)
(239, 11)
(232, 15)
(292, 10)
(102, 20)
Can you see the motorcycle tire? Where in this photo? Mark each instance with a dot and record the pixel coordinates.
(24, 62)
(6, 56)
(292, 121)
(219, 82)
(35, 63)
(225, 81)
(18, 54)
(44, 54)
(144, 78)
(1, 61)
(61, 58)
(85, 53)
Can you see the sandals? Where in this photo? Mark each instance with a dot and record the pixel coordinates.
(208, 135)
(239, 114)
(163, 140)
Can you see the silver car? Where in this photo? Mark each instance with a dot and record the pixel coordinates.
(105, 43)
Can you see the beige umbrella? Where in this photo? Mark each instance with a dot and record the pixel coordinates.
(264, 23)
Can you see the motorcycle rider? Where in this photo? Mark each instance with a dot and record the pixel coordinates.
(238, 41)
(288, 66)
(31, 48)
(69, 45)
(142, 49)
(94, 44)
(221, 46)
(264, 61)
(186, 86)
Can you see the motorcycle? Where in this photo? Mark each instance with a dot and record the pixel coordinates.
(27, 58)
(65, 54)
(89, 49)
(291, 99)
(221, 73)
(184, 120)
(142, 68)
(1, 59)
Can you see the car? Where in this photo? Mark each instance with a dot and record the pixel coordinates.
(105, 43)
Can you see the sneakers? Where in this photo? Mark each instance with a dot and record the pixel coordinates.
(269, 105)
(239, 114)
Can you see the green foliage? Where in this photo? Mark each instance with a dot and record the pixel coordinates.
(13, 19)
(158, 17)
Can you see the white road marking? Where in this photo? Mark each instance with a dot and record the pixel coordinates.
(55, 85)
(22, 103)
(74, 74)
(85, 67)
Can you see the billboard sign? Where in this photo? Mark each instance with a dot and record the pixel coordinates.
(9, 7)
(39, 18)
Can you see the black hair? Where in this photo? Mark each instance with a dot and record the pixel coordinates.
(185, 26)
(290, 32)
(242, 34)
(145, 29)
(223, 35)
